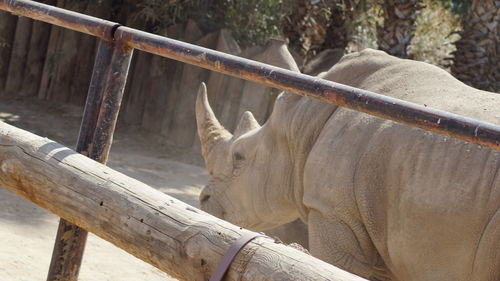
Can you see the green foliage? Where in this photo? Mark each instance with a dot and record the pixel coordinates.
(364, 26)
(437, 27)
(436, 31)
(251, 21)
(458, 7)
(254, 21)
(164, 13)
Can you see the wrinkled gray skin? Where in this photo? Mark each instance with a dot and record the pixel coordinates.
(382, 200)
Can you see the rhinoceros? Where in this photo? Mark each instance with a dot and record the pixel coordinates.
(383, 200)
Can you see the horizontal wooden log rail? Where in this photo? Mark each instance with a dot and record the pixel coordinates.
(177, 238)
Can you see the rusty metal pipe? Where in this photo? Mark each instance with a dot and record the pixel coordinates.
(72, 20)
(96, 90)
(111, 101)
(96, 135)
(70, 239)
(438, 121)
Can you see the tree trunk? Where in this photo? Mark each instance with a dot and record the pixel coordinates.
(182, 128)
(8, 24)
(138, 89)
(156, 100)
(169, 234)
(174, 81)
(395, 35)
(314, 26)
(69, 50)
(476, 61)
(139, 84)
(36, 58)
(217, 83)
(295, 27)
(161, 76)
(339, 29)
(17, 62)
(86, 53)
(52, 59)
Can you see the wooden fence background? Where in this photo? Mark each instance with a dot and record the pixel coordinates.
(55, 64)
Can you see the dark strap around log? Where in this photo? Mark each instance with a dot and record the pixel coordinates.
(231, 253)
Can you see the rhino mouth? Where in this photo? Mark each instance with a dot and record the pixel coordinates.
(204, 198)
(209, 205)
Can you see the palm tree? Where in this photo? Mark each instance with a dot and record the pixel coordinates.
(339, 28)
(301, 28)
(477, 59)
(316, 25)
(399, 26)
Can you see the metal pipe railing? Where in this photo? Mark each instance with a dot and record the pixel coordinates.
(412, 114)
(61, 17)
(70, 240)
(95, 137)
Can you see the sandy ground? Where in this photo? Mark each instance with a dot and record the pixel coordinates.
(27, 232)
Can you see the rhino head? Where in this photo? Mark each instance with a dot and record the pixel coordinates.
(249, 173)
(251, 170)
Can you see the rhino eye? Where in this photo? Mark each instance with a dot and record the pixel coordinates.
(238, 156)
(237, 161)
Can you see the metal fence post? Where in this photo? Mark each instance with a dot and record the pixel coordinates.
(96, 134)
(110, 107)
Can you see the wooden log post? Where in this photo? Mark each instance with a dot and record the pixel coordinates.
(8, 25)
(18, 58)
(35, 58)
(169, 234)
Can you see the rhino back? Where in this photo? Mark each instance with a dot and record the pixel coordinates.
(415, 82)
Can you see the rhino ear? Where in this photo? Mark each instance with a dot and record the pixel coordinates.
(247, 123)
(277, 54)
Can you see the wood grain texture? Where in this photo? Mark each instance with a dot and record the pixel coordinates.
(52, 58)
(17, 62)
(35, 58)
(182, 130)
(169, 234)
(8, 25)
(476, 61)
(84, 60)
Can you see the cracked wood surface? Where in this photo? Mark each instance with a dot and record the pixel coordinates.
(165, 232)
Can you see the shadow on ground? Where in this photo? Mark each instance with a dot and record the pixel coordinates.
(27, 232)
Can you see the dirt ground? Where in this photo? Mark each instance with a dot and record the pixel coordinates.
(27, 232)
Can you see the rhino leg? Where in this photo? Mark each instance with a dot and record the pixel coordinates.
(333, 241)
(293, 232)
(487, 258)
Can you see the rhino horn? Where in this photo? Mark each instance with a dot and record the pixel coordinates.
(210, 130)
(247, 123)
